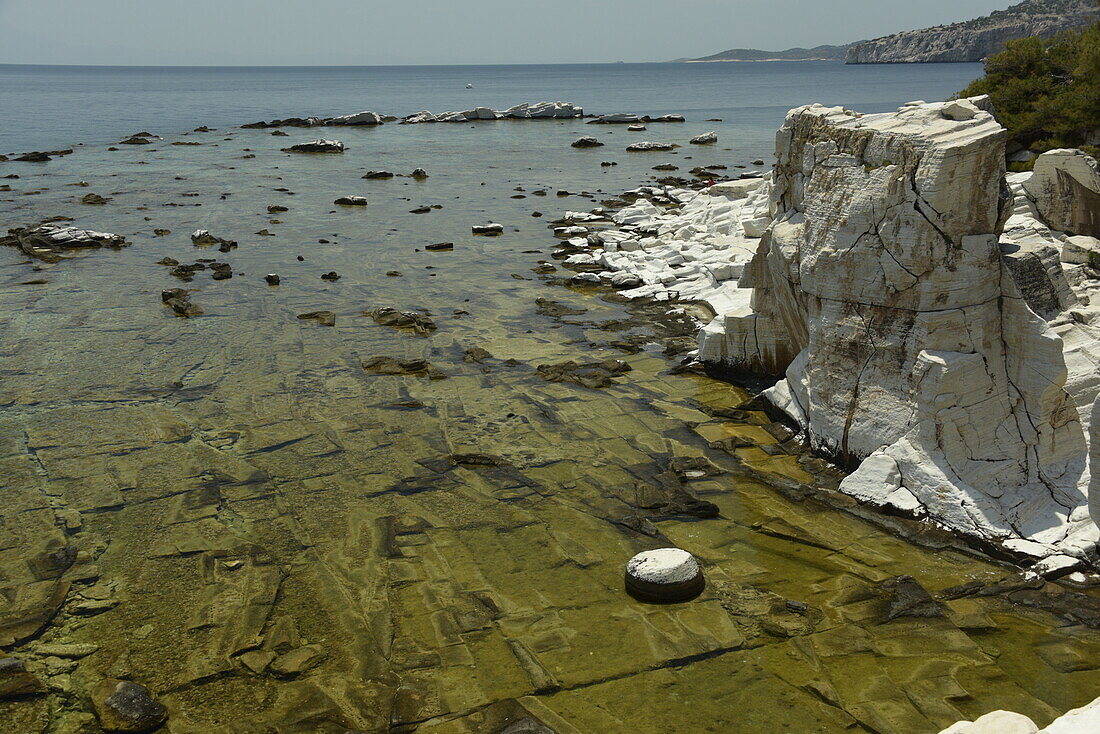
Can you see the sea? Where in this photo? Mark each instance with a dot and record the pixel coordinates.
(240, 511)
(46, 107)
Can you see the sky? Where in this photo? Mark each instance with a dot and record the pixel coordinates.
(369, 32)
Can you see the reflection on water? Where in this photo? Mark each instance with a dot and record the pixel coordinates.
(270, 538)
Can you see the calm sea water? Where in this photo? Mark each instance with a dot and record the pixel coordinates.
(53, 106)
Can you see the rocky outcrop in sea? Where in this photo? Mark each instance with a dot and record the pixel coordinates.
(931, 327)
(973, 40)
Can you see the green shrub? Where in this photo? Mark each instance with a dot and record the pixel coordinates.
(1046, 91)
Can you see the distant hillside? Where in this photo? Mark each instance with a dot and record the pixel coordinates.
(973, 40)
(819, 53)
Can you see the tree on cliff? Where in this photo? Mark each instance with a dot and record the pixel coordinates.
(1047, 91)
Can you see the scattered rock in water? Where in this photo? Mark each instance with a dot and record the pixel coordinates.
(179, 300)
(903, 596)
(393, 273)
(161, 232)
(324, 318)
(272, 279)
(639, 524)
(586, 142)
(265, 233)
(35, 157)
(608, 164)
(74, 651)
(203, 238)
(476, 354)
(52, 243)
(546, 307)
(222, 271)
(93, 199)
(294, 663)
(705, 139)
(123, 706)
(664, 575)
(331, 276)
(391, 366)
(256, 661)
(544, 269)
(419, 173)
(421, 210)
(351, 201)
(378, 174)
(317, 146)
(279, 134)
(592, 375)
(664, 118)
(440, 246)
(489, 230)
(647, 146)
(277, 209)
(419, 323)
(666, 167)
(758, 162)
(16, 681)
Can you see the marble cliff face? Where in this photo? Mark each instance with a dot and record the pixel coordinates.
(929, 325)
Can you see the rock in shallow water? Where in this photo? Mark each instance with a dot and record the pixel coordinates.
(317, 146)
(52, 243)
(586, 142)
(664, 575)
(123, 706)
(647, 146)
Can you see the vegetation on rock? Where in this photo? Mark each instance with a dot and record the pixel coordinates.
(1047, 91)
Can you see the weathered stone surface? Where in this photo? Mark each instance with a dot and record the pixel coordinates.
(973, 40)
(52, 243)
(915, 334)
(1065, 185)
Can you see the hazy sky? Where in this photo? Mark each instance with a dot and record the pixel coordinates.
(263, 32)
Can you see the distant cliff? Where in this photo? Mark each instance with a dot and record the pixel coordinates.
(973, 40)
(818, 53)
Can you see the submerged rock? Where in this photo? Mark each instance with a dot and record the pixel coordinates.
(378, 174)
(122, 706)
(16, 681)
(179, 300)
(391, 366)
(324, 318)
(593, 375)
(419, 323)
